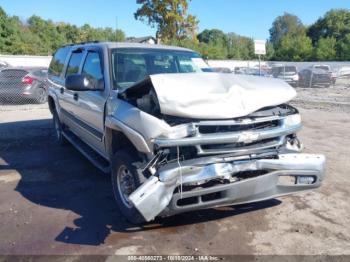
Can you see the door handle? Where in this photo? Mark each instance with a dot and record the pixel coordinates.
(75, 97)
(61, 90)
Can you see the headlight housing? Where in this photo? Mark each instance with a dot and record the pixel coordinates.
(180, 131)
(292, 120)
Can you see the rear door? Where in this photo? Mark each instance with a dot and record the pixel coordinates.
(68, 99)
(56, 78)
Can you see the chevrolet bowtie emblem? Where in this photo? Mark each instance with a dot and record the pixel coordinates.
(247, 137)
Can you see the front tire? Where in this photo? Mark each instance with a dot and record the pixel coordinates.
(125, 180)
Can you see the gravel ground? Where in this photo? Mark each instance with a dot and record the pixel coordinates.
(53, 201)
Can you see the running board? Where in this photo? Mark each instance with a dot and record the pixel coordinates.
(95, 158)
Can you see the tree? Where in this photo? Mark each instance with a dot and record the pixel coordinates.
(344, 48)
(335, 24)
(37, 36)
(326, 49)
(289, 39)
(286, 24)
(170, 17)
(240, 47)
(294, 48)
(216, 43)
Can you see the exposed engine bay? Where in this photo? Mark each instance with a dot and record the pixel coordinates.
(230, 145)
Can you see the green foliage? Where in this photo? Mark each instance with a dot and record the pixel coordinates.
(335, 24)
(170, 17)
(294, 48)
(326, 49)
(240, 47)
(37, 36)
(289, 39)
(344, 47)
(327, 39)
(284, 25)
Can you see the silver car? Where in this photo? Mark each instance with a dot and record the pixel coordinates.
(173, 136)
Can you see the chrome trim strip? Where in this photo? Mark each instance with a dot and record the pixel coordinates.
(222, 138)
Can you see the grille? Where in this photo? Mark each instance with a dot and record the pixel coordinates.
(222, 127)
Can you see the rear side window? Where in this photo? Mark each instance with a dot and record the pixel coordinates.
(74, 63)
(57, 62)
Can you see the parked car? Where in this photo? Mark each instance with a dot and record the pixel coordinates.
(23, 83)
(173, 139)
(3, 65)
(225, 70)
(328, 69)
(344, 71)
(240, 70)
(312, 77)
(287, 73)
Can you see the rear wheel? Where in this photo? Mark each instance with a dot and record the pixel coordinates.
(125, 180)
(40, 96)
(58, 127)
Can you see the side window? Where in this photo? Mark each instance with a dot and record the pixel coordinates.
(93, 71)
(92, 66)
(74, 63)
(57, 62)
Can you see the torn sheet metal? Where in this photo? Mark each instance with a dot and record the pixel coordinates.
(217, 96)
(155, 194)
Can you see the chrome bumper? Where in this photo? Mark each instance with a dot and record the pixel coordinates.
(156, 196)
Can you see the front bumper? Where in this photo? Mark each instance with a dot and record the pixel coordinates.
(162, 195)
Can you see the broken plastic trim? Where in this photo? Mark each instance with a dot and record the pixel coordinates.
(155, 194)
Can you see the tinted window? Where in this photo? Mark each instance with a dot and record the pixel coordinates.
(57, 62)
(133, 65)
(326, 68)
(74, 63)
(92, 67)
(40, 73)
(93, 71)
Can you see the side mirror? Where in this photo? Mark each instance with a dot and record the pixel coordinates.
(78, 82)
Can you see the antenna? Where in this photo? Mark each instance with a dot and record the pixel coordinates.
(116, 28)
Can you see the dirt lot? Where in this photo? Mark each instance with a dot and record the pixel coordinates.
(53, 201)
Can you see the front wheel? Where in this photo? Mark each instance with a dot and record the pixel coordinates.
(125, 180)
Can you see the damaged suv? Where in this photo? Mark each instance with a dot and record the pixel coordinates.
(174, 136)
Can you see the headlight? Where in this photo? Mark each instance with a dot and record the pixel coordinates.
(296, 77)
(292, 120)
(180, 131)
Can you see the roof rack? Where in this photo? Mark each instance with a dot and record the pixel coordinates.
(84, 43)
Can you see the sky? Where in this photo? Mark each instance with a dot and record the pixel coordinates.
(251, 18)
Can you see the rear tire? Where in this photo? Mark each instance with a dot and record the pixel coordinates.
(58, 127)
(125, 180)
(40, 96)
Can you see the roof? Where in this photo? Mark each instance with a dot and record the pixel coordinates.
(111, 45)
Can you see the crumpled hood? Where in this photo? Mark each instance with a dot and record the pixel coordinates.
(217, 96)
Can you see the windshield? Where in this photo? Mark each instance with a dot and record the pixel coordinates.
(284, 70)
(326, 68)
(133, 65)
